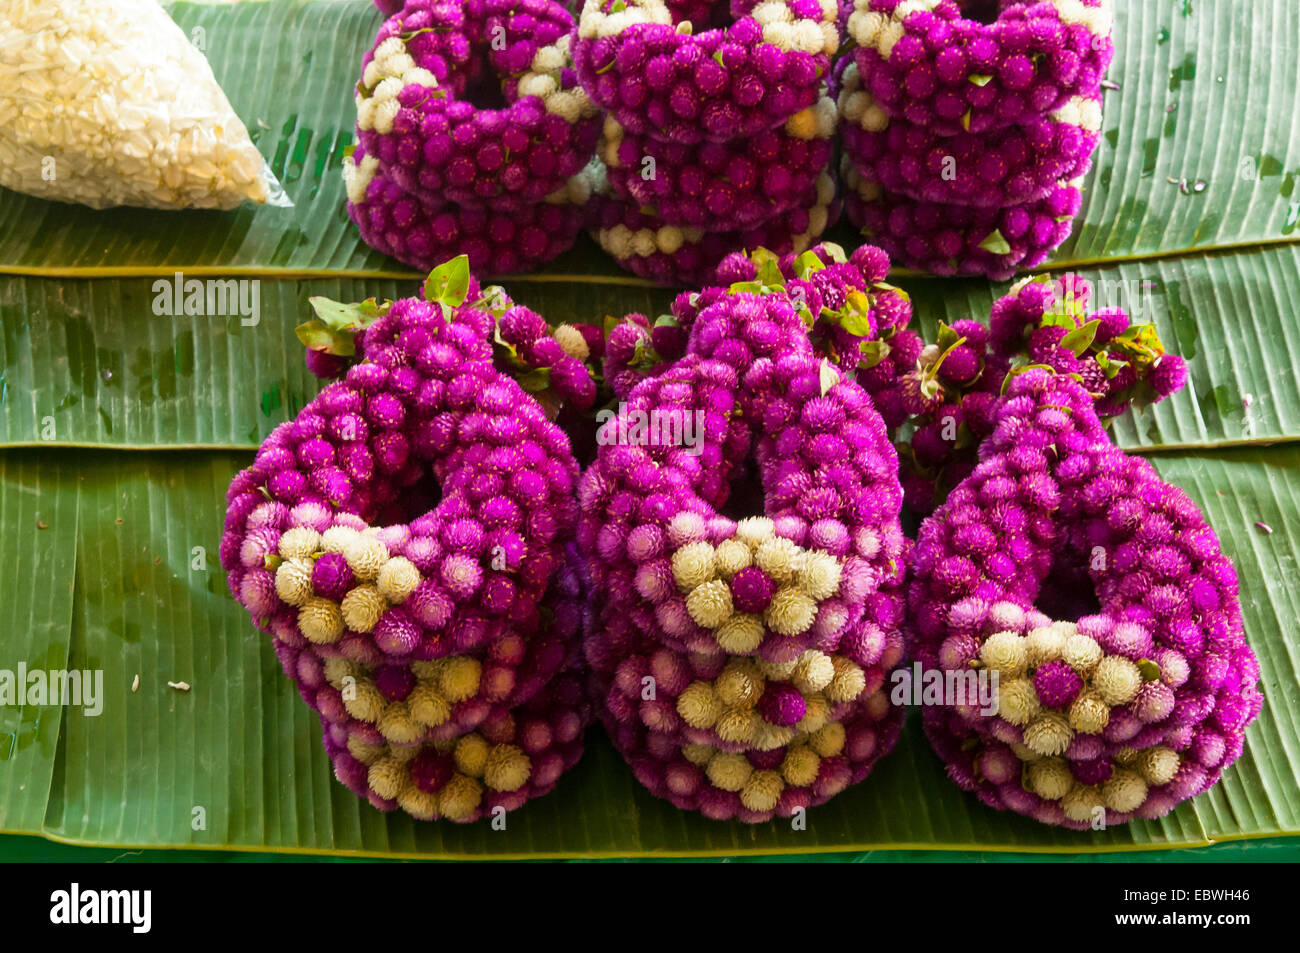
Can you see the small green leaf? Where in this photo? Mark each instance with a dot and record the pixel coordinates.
(829, 376)
(618, 6)
(965, 121)
(769, 274)
(996, 244)
(718, 56)
(1150, 670)
(448, 283)
(535, 380)
(666, 321)
(808, 263)
(746, 287)
(872, 353)
(980, 79)
(948, 338)
(1080, 339)
(836, 252)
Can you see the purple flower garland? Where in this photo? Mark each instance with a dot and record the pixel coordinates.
(766, 640)
(966, 141)
(435, 169)
(404, 541)
(1129, 690)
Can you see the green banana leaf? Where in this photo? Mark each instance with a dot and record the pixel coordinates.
(88, 363)
(120, 428)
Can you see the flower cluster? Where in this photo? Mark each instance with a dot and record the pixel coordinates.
(965, 141)
(643, 62)
(471, 119)
(743, 183)
(714, 142)
(739, 664)
(942, 397)
(406, 542)
(1102, 601)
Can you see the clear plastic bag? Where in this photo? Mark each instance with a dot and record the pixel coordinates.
(107, 102)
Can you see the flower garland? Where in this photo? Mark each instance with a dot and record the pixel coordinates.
(715, 142)
(966, 141)
(1138, 704)
(407, 631)
(765, 639)
(434, 170)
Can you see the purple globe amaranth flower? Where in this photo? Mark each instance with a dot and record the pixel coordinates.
(782, 705)
(752, 590)
(1057, 684)
(1092, 692)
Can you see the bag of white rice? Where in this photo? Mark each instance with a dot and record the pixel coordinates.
(107, 102)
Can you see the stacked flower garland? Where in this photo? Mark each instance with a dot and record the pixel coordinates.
(406, 543)
(472, 131)
(1101, 601)
(739, 664)
(718, 134)
(967, 126)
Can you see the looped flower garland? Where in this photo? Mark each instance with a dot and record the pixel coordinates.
(433, 171)
(965, 142)
(926, 62)
(440, 146)
(767, 639)
(1113, 713)
(407, 632)
(642, 61)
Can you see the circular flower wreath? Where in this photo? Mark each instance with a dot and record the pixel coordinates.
(742, 183)
(414, 117)
(672, 255)
(769, 637)
(1102, 601)
(403, 539)
(949, 239)
(937, 64)
(1009, 166)
(421, 235)
(642, 61)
